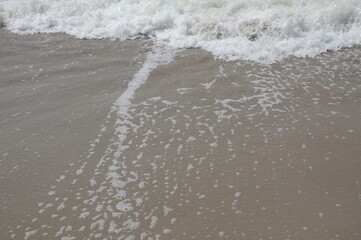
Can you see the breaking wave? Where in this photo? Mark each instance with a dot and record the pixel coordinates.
(259, 30)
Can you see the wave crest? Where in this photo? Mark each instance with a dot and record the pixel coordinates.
(231, 29)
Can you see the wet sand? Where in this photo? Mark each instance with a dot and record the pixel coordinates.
(212, 149)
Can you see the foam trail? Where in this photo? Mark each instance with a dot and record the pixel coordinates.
(159, 55)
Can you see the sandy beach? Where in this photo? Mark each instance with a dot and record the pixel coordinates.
(103, 139)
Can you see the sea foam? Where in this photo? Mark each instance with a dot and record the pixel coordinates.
(259, 30)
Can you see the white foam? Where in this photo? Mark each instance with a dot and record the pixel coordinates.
(232, 29)
(124, 206)
(30, 233)
(167, 210)
(153, 222)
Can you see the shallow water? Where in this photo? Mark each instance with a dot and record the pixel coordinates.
(134, 140)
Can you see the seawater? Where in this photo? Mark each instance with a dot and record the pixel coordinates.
(259, 30)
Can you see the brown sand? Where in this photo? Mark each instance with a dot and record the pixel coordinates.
(217, 150)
